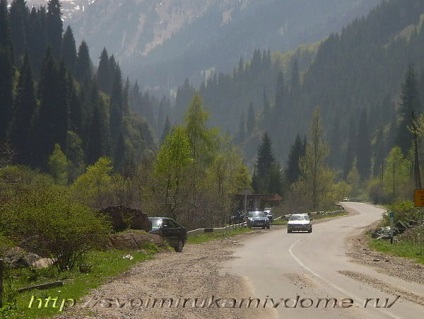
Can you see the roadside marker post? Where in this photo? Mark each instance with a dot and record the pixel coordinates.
(392, 218)
(419, 202)
(1, 282)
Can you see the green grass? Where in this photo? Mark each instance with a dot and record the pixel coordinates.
(104, 265)
(204, 237)
(280, 221)
(412, 250)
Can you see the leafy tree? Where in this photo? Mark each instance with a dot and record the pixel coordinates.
(53, 225)
(75, 154)
(94, 187)
(397, 175)
(166, 129)
(226, 175)
(58, 166)
(203, 141)
(182, 100)
(171, 178)
(354, 180)
(316, 180)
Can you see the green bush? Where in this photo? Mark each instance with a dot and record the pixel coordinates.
(46, 221)
(404, 211)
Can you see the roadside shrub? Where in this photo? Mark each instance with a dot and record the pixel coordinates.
(405, 211)
(46, 221)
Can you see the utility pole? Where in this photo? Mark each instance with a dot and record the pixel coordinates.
(417, 173)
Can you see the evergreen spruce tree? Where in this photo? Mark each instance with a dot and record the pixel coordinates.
(83, 69)
(5, 35)
(297, 151)
(37, 39)
(379, 154)
(97, 138)
(18, 19)
(410, 103)
(242, 129)
(53, 116)
(69, 50)
(75, 110)
(250, 123)
(166, 130)
(54, 26)
(267, 174)
(6, 90)
(24, 110)
(116, 109)
(350, 152)
(363, 148)
(103, 73)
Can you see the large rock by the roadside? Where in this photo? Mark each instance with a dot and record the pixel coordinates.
(134, 239)
(17, 257)
(123, 218)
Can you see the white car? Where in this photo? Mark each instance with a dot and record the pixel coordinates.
(299, 222)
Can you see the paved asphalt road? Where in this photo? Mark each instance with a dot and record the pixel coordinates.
(302, 271)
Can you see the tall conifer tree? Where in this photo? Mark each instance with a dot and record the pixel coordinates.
(103, 73)
(410, 103)
(37, 39)
(24, 110)
(83, 70)
(18, 19)
(267, 174)
(54, 27)
(363, 147)
(297, 151)
(69, 50)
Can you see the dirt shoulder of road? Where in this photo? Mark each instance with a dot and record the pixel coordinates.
(190, 280)
(404, 268)
(193, 283)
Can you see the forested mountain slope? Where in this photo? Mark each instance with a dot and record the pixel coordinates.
(357, 72)
(160, 43)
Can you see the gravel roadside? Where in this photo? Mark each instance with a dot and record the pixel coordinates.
(177, 277)
(192, 282)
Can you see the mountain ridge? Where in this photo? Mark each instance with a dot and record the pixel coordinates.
(161, 43)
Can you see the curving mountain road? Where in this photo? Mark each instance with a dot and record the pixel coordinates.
(304, 275)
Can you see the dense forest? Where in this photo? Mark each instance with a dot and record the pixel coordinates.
(51, 93)
(354, 76)
(98, 136)
(61, 110)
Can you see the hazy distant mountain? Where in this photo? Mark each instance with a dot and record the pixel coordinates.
(161, 43)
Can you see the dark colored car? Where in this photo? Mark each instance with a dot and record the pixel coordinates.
(170, 230)
(257, 218)
(237, 218)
